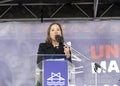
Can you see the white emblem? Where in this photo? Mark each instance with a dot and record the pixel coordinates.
(55, 80)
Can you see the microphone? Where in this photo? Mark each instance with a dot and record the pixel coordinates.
(58, 38)
(96, 67)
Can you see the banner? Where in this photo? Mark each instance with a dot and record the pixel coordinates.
(96, 41)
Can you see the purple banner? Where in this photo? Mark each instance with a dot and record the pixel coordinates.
(96, 41)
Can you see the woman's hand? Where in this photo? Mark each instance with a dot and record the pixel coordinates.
(67, 51)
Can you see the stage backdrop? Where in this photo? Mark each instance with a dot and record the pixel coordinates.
(96, 42)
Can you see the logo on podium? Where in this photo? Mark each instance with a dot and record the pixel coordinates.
(55, 80)
(55, 73)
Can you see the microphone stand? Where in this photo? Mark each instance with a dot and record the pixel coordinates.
(78, 52)
(59, 38)
(96, 65)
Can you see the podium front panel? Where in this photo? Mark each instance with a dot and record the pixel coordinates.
(55, 73)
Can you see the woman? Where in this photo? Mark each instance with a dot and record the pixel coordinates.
(52, 46)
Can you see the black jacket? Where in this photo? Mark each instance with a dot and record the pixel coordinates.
(45, 48)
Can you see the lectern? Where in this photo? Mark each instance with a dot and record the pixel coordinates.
(56, 71)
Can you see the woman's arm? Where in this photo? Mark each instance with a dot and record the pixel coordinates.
(67, 52)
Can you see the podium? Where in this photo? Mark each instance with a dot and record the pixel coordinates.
(56, 71)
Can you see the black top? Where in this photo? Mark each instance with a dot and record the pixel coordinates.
(45, 48)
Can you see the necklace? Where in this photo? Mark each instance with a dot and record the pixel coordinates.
(56, 46)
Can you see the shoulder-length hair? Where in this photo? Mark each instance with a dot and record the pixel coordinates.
(48, 39)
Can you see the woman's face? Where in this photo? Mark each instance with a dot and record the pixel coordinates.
(55, 30)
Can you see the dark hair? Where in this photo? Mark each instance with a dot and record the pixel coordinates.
(48, 39)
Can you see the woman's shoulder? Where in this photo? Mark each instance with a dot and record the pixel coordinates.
(44, 45)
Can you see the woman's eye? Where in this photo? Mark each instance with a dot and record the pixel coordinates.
(58, 29)
(52, 30)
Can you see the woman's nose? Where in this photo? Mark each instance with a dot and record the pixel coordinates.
(56, 32)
